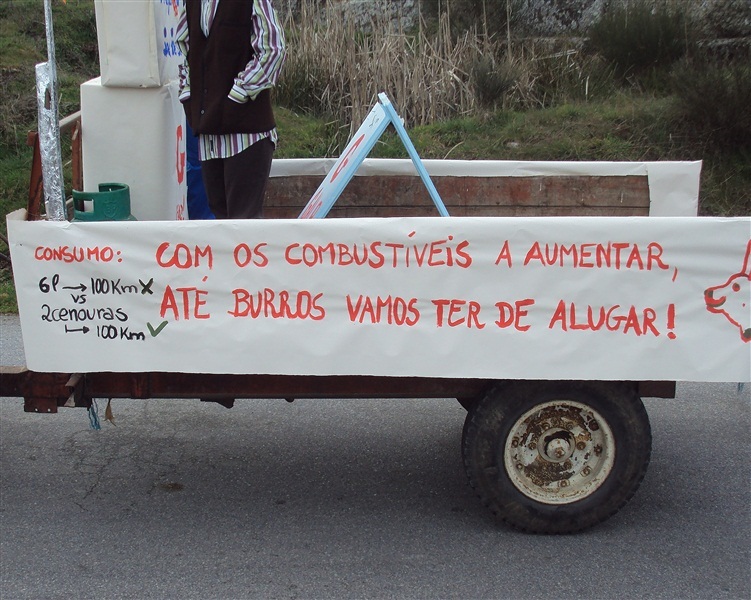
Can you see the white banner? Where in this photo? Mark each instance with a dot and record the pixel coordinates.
(537, 298)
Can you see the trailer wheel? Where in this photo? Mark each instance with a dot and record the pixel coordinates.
(556, 456)
(467, 403)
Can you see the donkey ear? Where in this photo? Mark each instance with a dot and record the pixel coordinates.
(746, 270)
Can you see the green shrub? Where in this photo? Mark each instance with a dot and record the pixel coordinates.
(571, 76)
(484, 16)
(637, 36)
(492, 80)
(714, 102)
(728, 18)
(301, 85)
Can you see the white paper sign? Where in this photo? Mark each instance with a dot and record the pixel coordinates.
(536, 298)
(344, 168)
(381, 115)
(137, 44)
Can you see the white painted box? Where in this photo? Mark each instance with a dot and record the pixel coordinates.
(137, 46)
(136, 136)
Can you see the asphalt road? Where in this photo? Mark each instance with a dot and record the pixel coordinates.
(346, 499)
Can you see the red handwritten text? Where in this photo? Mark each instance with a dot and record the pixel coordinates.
(381, 254)
(314, 204)
(71, 254)
(345, 159)
(179, 156)
(617, 255)
(245, 255)
(182, 256)
(394, 310)
(504, 254)
(457, 312)
(612, 318)
(188, 302)
(509, 315)
(277, 305)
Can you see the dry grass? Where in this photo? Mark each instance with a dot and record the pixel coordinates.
(336, 70)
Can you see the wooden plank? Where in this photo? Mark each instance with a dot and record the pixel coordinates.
(469, 196)
(12, 381)
(70, 124)
(501, 211)
(36, 182)
(77, 156)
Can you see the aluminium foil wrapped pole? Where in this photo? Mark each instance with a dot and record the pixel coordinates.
(49, 127)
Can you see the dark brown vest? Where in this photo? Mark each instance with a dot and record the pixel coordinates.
(214, 63)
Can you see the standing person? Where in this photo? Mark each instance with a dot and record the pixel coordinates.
(234, 50)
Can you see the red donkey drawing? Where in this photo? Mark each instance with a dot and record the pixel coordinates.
(733, 298)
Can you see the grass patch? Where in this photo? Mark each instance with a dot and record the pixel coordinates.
(303, 136)
(725, 184)
(713, 102)
(8, 303)
(639, 37)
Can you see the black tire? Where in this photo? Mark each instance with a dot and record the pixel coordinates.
(595, 443)
(467, 403)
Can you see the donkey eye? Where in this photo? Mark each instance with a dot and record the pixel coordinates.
(736, 287)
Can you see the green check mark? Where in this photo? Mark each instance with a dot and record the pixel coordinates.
(157, 331)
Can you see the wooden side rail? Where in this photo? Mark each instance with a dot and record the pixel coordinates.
(406, 196)
(72, 125)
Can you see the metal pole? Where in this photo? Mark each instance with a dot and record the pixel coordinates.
(49, 128)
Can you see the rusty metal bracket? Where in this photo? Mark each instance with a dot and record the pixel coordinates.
(43, 392)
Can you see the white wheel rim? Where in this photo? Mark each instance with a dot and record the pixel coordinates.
(559, 452)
